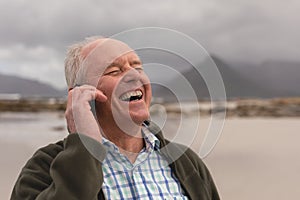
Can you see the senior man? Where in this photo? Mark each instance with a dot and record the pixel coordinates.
(113, 151)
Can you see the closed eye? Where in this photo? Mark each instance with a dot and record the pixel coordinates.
(113, 72)
(137, 65)
(139, 68)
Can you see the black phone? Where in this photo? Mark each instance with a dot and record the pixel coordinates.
(93, 108)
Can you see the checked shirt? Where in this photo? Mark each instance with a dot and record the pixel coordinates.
(149, 177)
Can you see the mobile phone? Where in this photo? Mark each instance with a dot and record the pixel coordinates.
(93, 108)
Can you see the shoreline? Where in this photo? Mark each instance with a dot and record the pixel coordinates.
(277, 107)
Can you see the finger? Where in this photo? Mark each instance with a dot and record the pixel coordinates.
(83, 94)
(100, 96)
(93, 92)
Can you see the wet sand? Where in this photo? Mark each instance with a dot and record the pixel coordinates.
(254, 158)
(257, 159)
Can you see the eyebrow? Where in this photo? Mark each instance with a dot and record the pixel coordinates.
(113, 64)
(136, 62)
(116, 64)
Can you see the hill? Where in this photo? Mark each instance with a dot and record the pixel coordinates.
(237, 85)
(280, 76)
(26, 87)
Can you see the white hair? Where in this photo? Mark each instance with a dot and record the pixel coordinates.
(74, 59)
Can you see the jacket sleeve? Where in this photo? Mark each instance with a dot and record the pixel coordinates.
(192, 173)
(66, 171)
(204, 173)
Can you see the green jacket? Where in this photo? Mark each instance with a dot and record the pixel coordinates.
(66, 170)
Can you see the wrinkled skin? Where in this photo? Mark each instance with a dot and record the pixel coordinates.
(110, 69)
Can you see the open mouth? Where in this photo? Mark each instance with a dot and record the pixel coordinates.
(132, 96)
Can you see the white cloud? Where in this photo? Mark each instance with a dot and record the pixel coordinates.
(38, 63)
(242, 30)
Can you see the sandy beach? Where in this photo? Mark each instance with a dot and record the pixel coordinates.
(255, 158)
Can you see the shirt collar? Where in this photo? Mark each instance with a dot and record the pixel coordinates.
(151, 141)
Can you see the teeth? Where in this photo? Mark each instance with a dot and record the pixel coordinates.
(127, 95)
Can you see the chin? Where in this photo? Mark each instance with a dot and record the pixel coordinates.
(140, 117)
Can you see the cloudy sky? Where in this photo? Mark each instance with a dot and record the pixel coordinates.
(34, 34)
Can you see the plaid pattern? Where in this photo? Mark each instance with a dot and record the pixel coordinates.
(149, 177)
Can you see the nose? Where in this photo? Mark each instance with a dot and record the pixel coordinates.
(131, 75)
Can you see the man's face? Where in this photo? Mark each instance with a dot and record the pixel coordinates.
(123, 81)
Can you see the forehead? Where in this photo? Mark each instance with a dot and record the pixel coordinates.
(129, 56)
(103, 52)
(105, 49)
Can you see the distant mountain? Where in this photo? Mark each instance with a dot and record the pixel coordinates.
(237, 84)
(281, 76)
(270, 79)
(26, 87)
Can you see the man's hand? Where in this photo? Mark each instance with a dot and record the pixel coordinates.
(79, 116)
